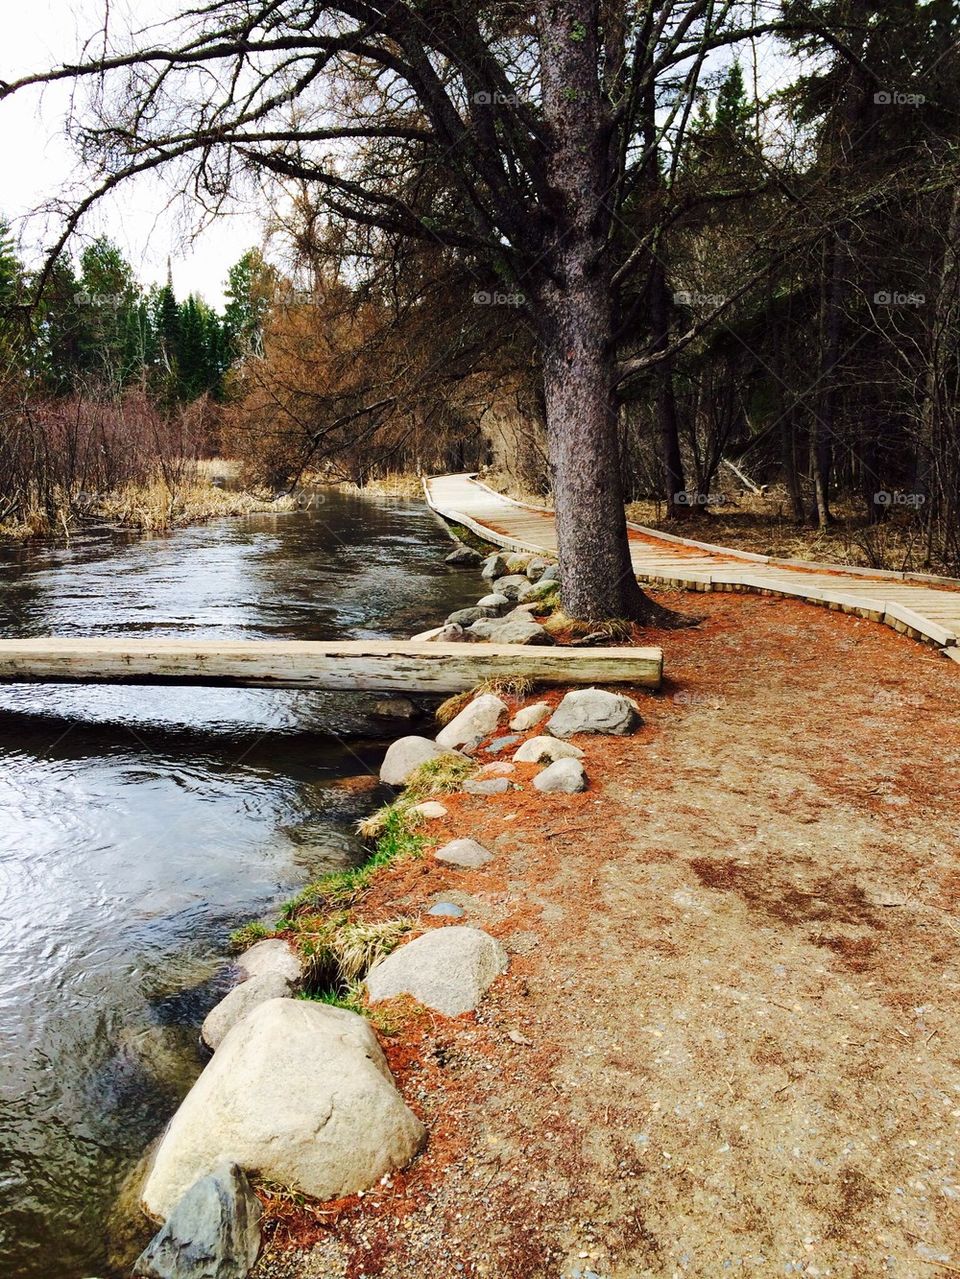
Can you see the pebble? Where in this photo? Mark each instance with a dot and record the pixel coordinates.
(450, 909)
(502, 743)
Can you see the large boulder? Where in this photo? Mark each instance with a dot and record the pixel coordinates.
(517, 561)
(537, 592)
(405, 755)
(476, 721)
(535, 569)
(529, 716)
(465, 853)
(212, 1233)
(462, 554)
(448, 969)
(494, 566)
(240, 1002)
(495, 601)
(594, 710)
(273, 957)
(551, 573)
(565, 776)
(298, 1092)
(539, 750)
(467, 616)
(519, 630)
(511, 585)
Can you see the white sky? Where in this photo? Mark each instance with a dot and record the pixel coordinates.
(36, 161)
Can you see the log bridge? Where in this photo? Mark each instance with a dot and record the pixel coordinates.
(389, 666)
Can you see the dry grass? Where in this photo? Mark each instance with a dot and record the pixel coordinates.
(501, 686)
(440, 776)
(613, 629)
(339, 950)
(392, 485)
(155, 507)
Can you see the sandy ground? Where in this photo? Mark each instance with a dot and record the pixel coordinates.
(727, 1042)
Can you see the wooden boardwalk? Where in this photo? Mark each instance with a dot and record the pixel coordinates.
(924, 607)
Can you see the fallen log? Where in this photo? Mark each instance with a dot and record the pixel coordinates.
(360, 665)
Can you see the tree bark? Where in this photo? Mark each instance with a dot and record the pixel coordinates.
(575, 321)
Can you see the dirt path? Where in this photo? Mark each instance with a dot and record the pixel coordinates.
(736, 960)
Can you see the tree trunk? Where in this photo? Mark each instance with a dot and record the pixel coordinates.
(597, 578)
(575, 320)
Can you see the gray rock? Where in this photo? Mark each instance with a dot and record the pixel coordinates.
(594, 710)
(565, 775)
(499, 602)
(448, 910)
(551, 573)
(483, 629)
(538, 591)
(546, 749)
(467, 616)
(405, 755)
(448, 969)
(394, 708)
(462, 554)
(535, 569)
(510, 586)
(298, 1091)
(274, 956)
(212, 1233)
(517, 561)
(515, 630)
(429, 809)
(502, 743)
(452, 634)
(529, 716)
(476, 721)
(240, 1002)
(486, 786)
(494, 566)
(465, 853)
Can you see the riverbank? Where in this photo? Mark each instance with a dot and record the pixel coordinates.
(155, 505)
(724, 1039)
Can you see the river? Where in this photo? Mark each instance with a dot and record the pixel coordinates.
(139, 825)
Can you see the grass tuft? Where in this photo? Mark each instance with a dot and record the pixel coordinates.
(560, 623)
(439, 776)
(244, 937)
(339, 951)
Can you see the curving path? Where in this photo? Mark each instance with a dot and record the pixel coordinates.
(924, 607)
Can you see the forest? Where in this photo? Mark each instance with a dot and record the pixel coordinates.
(776, 248)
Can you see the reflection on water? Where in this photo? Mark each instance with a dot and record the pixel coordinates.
(137, 826)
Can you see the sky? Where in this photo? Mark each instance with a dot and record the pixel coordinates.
(36, 162)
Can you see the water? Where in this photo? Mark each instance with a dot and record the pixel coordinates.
(139, 825)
